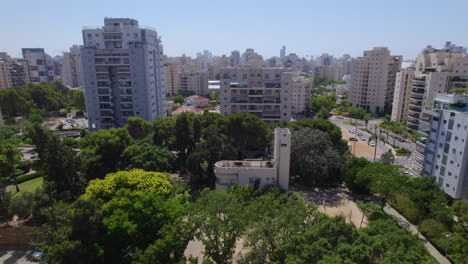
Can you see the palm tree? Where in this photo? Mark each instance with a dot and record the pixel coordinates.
(367, 118)
(376, 138)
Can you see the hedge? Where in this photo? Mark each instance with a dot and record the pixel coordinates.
(27, 177)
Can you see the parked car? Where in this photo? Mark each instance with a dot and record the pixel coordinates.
(372, 144)
(401, 139)
(363, 138)
(351, 131)
(352, 139)
(359, 134)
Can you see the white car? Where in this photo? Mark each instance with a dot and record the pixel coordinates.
(372, 144)
(351, 131)
(363, 138)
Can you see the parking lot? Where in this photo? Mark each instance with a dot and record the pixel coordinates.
(67, 122)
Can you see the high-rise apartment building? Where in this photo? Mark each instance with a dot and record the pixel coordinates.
(71, 69)
(41, 66)
(373, 80)
(172, 71)
(282, 52)
(5, 79)
(299, 86)
(443, 150)
(436, 71)
(123, 73)
(194, 82)
(325, 60)
(13, 73)
(403, 94)
(235, 58)
(268, 93)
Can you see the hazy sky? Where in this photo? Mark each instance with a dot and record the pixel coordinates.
(306, 27)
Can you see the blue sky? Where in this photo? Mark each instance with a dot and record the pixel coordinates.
(306, 27)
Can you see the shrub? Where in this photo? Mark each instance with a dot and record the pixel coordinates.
(79, 113)
(406, 207)
(432, 228)
(27, 177)
(28, 202)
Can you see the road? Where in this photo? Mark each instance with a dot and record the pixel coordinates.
(68, 122)
(16, 257)
(414, 230)
(405, 161)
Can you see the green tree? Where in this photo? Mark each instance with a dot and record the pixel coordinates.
(101, 151)
(428, 197)
(184, 141)
(333, 131)
(366, 119)
(12, 158)
(164, 132)
(220, 222)
(78, 100)
(313, 157)
(144, 155)
(350, 170)
(138, 128)
(247, 132)
(387, 158)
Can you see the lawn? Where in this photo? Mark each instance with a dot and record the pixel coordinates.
(27, 186)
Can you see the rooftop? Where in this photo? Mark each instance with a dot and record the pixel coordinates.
(244, 164)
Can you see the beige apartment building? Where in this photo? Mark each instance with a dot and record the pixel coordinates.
(72, 72)
(268, 93)
(299, 86)
(436, 71)
(373, 80)
(172, 71)
(13, 72)
(403, 94)
(194, 82)
(5, 79)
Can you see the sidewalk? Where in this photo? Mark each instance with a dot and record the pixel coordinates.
(413, 229)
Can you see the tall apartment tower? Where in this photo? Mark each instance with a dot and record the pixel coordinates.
(282, 52)
(436, 71)
(123, 73)
(282, 156)
(172, 71)
(373, 80)
(41, 66)
(72, 72)
(263, 92)
(235, 58)
(324, 60)
(403, 94)
(299, 87)
(443, 149)
(13, 73)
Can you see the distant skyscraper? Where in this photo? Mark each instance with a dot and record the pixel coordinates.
(235, 58)
(373, 80)
(325, 60)
(283, 52)
(41, 65)
(123, 73)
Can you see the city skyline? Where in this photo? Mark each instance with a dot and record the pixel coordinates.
(346, 28)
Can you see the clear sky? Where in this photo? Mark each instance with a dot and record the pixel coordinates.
(306, 27)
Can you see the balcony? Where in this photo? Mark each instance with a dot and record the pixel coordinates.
(431, 112)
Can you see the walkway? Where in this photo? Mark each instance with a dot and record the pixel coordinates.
(413, 229)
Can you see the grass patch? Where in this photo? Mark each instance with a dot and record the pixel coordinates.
(352, 123)
(372, 210)
(28, 186)
(402, 152)
(406, 207)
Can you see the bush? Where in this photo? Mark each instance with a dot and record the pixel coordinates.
(432, 228)
(79, 113)
(402, 152)
(27, 177)
(28, 202)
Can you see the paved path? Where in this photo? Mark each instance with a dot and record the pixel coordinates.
(413, 229)
(16, 257)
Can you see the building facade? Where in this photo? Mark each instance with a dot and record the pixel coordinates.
(436, 71)
(40, 65)
(257, 172)
(373, 80)
(194, 82)
(13, 73)
(256, 90)
(403, 94)
(443, 149)
(123, 73)
(299, 86)
(71, 69)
